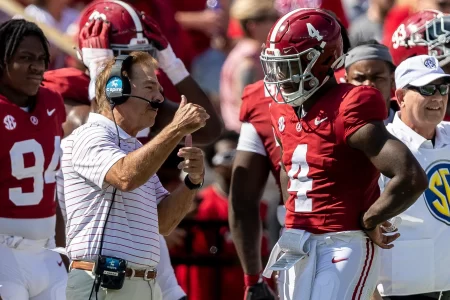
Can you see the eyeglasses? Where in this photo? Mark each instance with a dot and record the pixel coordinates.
(430, 89)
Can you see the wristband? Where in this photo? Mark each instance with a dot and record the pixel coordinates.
(361, 224)
(190, 185)
(171, 65)
(250, 280)
(95, 60)
(94, 56)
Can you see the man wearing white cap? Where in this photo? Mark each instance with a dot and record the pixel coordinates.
(418, 266)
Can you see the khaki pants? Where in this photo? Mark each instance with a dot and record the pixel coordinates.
(80, 282)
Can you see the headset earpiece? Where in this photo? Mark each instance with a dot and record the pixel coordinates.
(118, 85)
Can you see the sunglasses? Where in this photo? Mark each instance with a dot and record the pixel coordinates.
(225, 159)
(430, 89)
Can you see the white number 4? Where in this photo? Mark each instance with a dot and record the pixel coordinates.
(314, 33)
(299, 180)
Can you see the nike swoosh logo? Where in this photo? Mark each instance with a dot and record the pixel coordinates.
(59, 263)
(336, 260)
(50, 112)
(317, 121)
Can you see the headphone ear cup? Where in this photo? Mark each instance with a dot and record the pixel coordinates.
(118, 85)
(126, 87)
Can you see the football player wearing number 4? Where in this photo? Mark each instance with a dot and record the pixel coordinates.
(257, 155)
(31, 130)
(334, 146)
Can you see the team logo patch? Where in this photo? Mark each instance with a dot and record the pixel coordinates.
(10, 122)
(96, 16)
(34, 120)
(114, 87)
(430, 63)
(281, 124)
(298, 126)
(437, 196)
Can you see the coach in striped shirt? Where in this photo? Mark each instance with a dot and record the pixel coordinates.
(93, 165)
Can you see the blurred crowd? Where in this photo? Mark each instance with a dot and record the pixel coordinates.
(219, 42)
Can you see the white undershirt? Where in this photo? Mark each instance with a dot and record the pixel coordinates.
(249, 140)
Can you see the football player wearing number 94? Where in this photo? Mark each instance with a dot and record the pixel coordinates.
(30, 129)
(333, 147)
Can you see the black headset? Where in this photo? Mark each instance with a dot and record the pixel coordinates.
(118, 87)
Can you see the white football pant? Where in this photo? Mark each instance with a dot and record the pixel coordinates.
(346, 269)
(29, 271)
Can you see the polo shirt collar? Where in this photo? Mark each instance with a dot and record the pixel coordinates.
(101, 119)
(415, 140)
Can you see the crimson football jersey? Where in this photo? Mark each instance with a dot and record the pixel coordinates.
(71, 83)
(255, 110)
(330, 183)
(30, 156)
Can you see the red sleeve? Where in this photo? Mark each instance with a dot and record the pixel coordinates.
(361, 106)
(70, 83)
(244, 112)
(251, 94)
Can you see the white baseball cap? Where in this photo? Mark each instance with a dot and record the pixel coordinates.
(418, 70)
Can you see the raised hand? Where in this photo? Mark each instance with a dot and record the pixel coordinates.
(153, 33)
(95, 34)
(189, 117)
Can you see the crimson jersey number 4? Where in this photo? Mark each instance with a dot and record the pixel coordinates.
(299, 182)
(19, 171)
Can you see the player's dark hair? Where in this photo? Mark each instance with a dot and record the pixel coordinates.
(210, 150)
(374, 42)
(12, 33)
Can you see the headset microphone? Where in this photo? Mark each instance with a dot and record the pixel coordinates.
(153, 104)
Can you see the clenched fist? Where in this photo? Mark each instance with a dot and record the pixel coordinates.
(189, 117)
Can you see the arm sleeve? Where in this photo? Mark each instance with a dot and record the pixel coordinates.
(250, 141)
(361, 106)
(94, 152)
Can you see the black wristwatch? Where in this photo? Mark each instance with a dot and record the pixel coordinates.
(191, 185)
